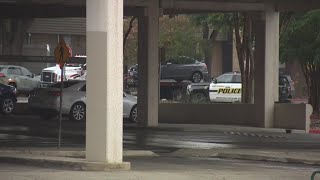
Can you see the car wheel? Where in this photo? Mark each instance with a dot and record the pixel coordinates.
(196, 77)
(134, 114)
(78, 112)
(198, 98)
(7, 106)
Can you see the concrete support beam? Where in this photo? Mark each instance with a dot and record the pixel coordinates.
(201, 5)
(289, 5)
(104, 96)
(148, 60)
(266, 68)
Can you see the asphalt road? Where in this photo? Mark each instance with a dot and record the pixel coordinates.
(31, 131)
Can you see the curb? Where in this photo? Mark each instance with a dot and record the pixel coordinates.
(72, 154)
(73, 160)
(207, 153)
(65, 163)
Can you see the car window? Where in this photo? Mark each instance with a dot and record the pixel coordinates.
(26, 72)
(66, 84)
(181, 60)
(236, 79)
(73, 65)
(227, 78)
(14, 71)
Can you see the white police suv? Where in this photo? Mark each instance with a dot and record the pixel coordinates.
(226, 88)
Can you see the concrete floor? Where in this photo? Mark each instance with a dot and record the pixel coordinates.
(160, 168)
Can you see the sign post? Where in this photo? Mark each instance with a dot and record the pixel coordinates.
(61, 53)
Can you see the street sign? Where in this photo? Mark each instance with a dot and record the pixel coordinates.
(62, 52)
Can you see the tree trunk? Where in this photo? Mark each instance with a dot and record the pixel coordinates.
(127, 33)
(125, 66)
(13, 33)
(244, 39)
(311, 73)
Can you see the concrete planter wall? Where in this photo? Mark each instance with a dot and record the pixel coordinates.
(235, 114)
(287, 116)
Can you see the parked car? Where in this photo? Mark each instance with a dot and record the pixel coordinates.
(45, 101)
(286, 88)
(184, 68)
(3, 79)
(227, 88)
(179, 69)
(20, 77)
(8, 98)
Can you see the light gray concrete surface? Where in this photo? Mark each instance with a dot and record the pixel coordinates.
(214, 128)
(157, 168)
(287, 156)
(293, 116)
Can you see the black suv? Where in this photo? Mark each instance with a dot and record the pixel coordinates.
(8, 98)
(286, 88)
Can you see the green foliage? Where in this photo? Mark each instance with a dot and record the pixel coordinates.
(180, 37)
(301, 41)
(219, 21)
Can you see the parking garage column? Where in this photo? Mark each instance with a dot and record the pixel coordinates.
(266, 67)
(148, 60)
(104, 81)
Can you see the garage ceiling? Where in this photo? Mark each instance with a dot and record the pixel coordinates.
(76, 8)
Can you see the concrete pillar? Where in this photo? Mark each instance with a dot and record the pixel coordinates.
(266, 68)
(104, 81)
(148, 60)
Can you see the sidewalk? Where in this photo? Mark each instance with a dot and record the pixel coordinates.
(167, 168)
(74, 159)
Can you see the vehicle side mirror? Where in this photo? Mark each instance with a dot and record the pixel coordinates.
(215, 81)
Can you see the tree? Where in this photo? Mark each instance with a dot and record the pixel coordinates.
(301, 43)
(241, 25)
(179, 37)
(130, 40)
(13, 33)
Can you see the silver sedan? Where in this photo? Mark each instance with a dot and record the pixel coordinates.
(46, 101)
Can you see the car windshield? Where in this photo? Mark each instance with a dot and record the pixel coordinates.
(181, 60)
(66, 84)
(225, 78)
(229, 78)
(73, 65)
